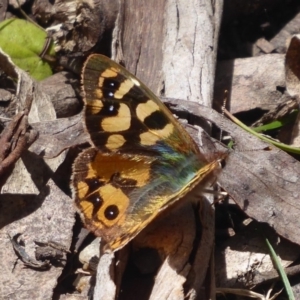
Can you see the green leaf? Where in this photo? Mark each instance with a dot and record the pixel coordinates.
(282, 146)
(278, 123)
(24, 42)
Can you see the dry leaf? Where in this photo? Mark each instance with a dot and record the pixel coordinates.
(252, 82)
(31, 204)
(265, 184)
(292, 72)
(46, 217)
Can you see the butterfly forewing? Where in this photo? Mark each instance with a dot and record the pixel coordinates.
(123, 115)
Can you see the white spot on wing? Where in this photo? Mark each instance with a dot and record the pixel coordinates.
(135, 81)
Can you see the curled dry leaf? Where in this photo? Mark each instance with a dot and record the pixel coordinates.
(14, 139)
(292, 67)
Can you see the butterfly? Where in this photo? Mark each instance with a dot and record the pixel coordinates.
(141, 161)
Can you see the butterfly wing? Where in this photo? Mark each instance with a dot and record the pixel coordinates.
(118, 195)
(142, 160)
(123, 115)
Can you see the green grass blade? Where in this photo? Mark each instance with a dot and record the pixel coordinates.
(278, 123)
(282, 146)
(281, 272)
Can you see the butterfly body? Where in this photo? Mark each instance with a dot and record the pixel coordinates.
(142, 160)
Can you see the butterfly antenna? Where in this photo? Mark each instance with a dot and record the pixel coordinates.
(223, 108)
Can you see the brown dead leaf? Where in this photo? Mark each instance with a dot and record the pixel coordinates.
(292, 73)
(58, 135)
(82, 23)
(15, 139)
(287, 30)
(30, 202)
(265, 184)
(264, 45)
(46, 217)
(292, 66)
(61, 90)
(252, 82)
(41, 108)
(246, 256)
